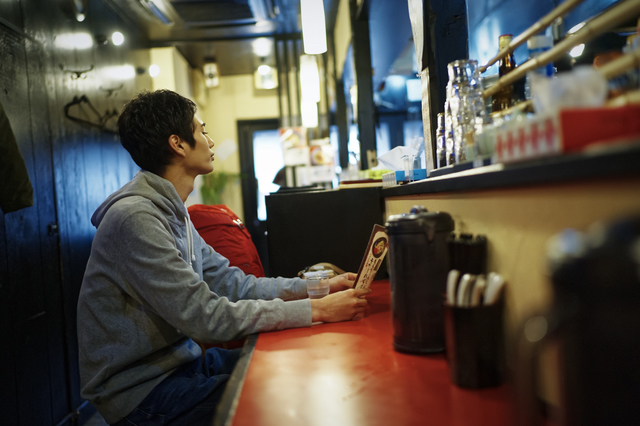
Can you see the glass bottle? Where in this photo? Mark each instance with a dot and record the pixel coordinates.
(503, 99)
(441, 148)
(448, 129)
(537, 45)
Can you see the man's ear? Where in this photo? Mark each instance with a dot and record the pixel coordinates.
(177, 145)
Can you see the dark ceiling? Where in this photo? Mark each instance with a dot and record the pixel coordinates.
(212, 29)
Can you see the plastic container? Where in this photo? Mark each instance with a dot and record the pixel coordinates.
(317, 285)
(538, 45)
(475, 345)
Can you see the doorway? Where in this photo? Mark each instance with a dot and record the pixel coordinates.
(261, 158)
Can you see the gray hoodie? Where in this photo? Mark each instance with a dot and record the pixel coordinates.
(152, 285)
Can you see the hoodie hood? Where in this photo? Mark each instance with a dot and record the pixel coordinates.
(148, 185)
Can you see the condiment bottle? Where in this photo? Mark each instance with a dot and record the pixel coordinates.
(503, 99)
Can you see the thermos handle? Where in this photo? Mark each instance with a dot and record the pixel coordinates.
(535, 331)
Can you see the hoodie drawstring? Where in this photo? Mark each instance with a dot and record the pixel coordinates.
(190, 249)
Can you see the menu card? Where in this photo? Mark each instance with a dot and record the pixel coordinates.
(373, 257)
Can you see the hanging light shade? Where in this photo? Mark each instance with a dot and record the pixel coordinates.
(309, 78)
(314, 31)
(309, 112)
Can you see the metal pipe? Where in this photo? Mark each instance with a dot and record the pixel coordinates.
(598, 25)
(540, 25)
(629, 98)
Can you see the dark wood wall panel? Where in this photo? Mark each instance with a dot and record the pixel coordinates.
(25, 278)
(8, 397)
(47, 227)
(73, 168)
(33, 393)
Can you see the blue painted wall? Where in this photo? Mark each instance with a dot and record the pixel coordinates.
(389, 32)
(488, 19)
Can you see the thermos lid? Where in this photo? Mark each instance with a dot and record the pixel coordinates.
(418, 219)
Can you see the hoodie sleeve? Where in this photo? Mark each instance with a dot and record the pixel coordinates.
(232, 282)
(153, 270)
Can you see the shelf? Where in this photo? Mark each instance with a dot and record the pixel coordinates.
(613, 162)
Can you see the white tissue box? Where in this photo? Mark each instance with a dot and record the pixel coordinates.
(395, 178)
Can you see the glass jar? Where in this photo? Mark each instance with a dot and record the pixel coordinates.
(466, 103)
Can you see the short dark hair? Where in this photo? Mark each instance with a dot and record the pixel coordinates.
(148, 120)
(606, 42)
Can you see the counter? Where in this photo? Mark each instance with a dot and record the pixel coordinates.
(348, 373)
(520, 207)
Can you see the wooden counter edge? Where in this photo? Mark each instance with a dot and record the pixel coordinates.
(227, 407)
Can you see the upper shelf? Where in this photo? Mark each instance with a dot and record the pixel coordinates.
(612, 162)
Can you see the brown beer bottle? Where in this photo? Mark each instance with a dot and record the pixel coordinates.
(504, 98)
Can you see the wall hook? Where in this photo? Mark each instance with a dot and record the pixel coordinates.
(96, 119)
(76, 74)
(112, 90)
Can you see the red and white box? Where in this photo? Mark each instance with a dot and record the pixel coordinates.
(525, 138)
(570, 130)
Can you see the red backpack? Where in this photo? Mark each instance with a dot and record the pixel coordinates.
(225, 232)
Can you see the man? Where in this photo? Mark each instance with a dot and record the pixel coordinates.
(152, 284)
(601, 50)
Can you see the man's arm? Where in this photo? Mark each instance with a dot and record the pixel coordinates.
(154, 273)
(232, 283)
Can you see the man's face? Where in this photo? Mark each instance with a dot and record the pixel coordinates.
(201, 156)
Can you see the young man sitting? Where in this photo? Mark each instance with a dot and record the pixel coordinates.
(152, 285)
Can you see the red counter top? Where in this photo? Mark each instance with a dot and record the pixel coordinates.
(349, 374)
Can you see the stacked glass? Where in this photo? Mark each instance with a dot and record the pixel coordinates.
(450, 153)
(465, 105)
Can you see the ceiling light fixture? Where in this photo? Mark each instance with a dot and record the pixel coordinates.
(265, 77)
(262, 47)
(154, 70)
(314, 31)
(211, 76)
(264, 69)
(117, 38)
(80, 8)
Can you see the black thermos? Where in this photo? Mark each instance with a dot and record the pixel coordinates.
(597, 308)
(419, 258)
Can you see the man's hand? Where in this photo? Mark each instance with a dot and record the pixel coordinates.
(342, 282)
(340, 306)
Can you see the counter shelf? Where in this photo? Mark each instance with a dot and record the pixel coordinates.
(604, 163)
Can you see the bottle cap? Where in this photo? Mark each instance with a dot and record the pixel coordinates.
(504, 40)
(540, 42)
